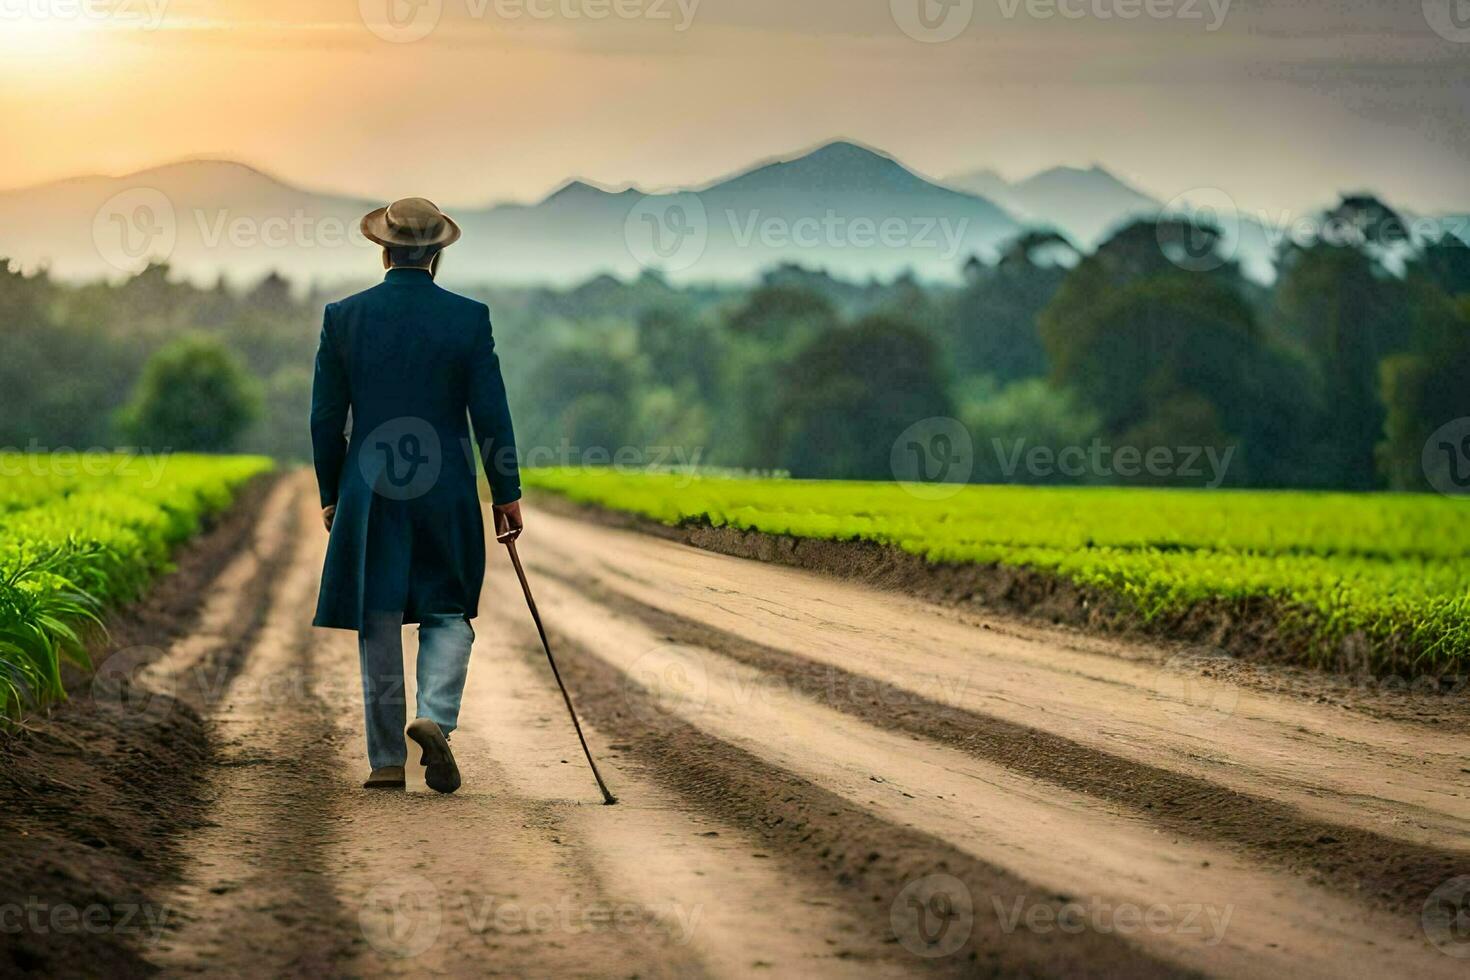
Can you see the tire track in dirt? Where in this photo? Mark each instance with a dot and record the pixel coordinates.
(225, 561)
(1395, 875)
(486, 882)
(229, 615)
(1211, 908)
(256, 898)
(100, 788)
(871, 860)
(300, 871)
(523, 873)
(716, 888)
(1335, 765)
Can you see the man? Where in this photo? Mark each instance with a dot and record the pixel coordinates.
(399, 494)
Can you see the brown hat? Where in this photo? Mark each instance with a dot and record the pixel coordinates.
(410, 223)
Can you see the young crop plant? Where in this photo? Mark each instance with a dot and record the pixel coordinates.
(1387, 574)
(81, 533)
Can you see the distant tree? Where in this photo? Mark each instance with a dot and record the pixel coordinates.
(991, 323)
(272, 295)
(1446, 263)
(680, 349)
(1364, 222)
(1005, 422)
(680, 376)
(193, 397)
(584, 396)
(603, 296)
(913, 302)
(1151, 247)
(673, 426)
(151, 300)
(598, 425)
(1171, 357)
(1339, 303)
(843, 295)
(1422, 392)
(279, 431)
(850, 393)
(782, 316)
(60, 375)
(764, 333)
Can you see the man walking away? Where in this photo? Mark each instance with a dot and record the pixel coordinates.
(414, 365)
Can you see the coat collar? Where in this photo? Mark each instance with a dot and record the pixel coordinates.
(409, 277)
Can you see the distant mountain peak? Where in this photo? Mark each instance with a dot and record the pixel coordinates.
(838, 165)
(845, 155)
(1096, 174)
(205, 165)
(840, 149)
(987, 183)
(986, 173)
(193, 169)
(582, 190)
(1086, 203)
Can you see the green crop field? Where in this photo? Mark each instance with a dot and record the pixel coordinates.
(79, 533)
(1391, 569)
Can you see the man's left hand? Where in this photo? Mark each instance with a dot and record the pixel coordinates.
(508, 523)
(329, 514)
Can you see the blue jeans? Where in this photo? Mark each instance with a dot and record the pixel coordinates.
(443, 662)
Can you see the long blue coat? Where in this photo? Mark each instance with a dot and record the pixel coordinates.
(411, 364)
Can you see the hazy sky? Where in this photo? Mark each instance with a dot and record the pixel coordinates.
(1279, 103)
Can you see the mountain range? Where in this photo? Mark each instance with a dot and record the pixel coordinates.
(853, 210)
(1084, 204)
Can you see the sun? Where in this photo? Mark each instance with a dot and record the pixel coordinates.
(46, 39)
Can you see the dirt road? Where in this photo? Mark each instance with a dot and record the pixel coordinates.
(817, 779)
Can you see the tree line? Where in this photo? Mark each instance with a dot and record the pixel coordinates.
(1332, 377)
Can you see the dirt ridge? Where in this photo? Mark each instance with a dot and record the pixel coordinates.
(1391, 874)
(871, 859)
(97, 795)
(1253, 630)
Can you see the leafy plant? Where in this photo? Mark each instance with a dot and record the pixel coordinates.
(1392, 569)
(81, 532)
(40, 612)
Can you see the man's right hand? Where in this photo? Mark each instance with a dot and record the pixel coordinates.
(329, 514)
(508, 524)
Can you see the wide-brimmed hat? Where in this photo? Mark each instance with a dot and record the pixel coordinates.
(410, 223)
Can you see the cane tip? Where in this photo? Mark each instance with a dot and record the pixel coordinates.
(609, 800)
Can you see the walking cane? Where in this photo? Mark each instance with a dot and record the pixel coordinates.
(509, 540)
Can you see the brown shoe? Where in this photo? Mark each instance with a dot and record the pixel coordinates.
(440, 772)
(389, 777)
